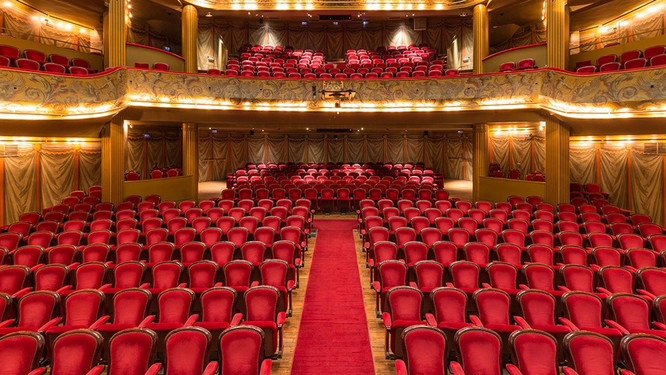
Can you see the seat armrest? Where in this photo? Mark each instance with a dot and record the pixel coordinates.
(149, 319)
(569, 371)
(63, 289)
(659, 325)
(154, 369)
(456, 369)
(217, 285)
(523, 287)
(475, 319)
(211, 368)
(450, 285)
(254, 283)
(521, 322)
(626, 372)
(22, 292)
(430, 318)
(376, 286)
(182, 285)
(386, 318)
(513, 370)
(6, 323)
(569, 324)
(190, 321)
(595, 267)
(290, 285)
(236, 319)
(104, 287)
(281, 317)
(38, 371)
(49, 324)
(486, 285)
(96, 370)
(563, 288)
(632, 269)
(99, 322)
(413, 285)
(400, 367)
(604, 291)
(646, 294)
(266, 366)
(35, 268)
(144, 286)
(616, 325)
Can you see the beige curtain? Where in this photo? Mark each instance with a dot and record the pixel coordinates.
(239, 151)
(395, 149)
(501, 152)
(647, 185)
(435, 153)
(220, 143)
(90, 167)
(134, 154)
(355, 149)
(296, 148)
(20, 185)
(454, 158)
(468, 159)
(583, 165)
(522, 155)
(539, 154)
(276, 148)
(375, 148)
(256, 149)
(172, 152)
(204, 146)
(614, 175)
(57, 176)
(204, 47)
(154, 152)
(316, 149)
(336, 147)
(414, 149)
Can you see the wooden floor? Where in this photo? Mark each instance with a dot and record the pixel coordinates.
(457, 188)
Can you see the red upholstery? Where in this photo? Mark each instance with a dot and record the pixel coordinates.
(479, 351)
(640, 353)
(20, 352)
(186, 351)
(241, 351)
(76, 352)
(534, 352)
(425, 351)
(132, 351)
(590, 353)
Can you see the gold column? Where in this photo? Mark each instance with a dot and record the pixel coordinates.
(113, 161)
(114, 34)
(480, 32)
(557, 33)
(557, 162)
(191, 156)
(190, 28)
(481, 159)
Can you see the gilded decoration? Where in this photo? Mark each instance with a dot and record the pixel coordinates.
(621, 94)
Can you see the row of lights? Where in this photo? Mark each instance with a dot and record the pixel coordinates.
(309, 5)
(49, 21)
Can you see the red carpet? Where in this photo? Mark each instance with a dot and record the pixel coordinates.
(333, 336)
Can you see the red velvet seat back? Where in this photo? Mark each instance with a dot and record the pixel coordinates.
(479, 351)
(429, 274)
(274, 272)
(538, 307)
(83, 307)
(166, 274)
(253, 251)
(641, 354)
(174, 305)
(617, 279)
(578, 277)
(583, 309)
(607, 256)
(217, 304)
(132, 351)
(502, 275)
(187, 350)
(405, 304)
(50, 277)
(130, 306)
(539, 276)
(193, 251)
(415, 251)
(241, 350)
(20, 352)
(261, 303)
(28, 256)
(465, 274)
(237, 273)
(425, 350)
(654, 280)
(238, 236)
(631, 311)
(535, 352)
(129, 251)
(477, 252)
(202, 274)
(493, 306)
(222, 252)
(450, 304)
(37, 308)
(590, 353)
(76, 352)
(91, 275)
(392, 273)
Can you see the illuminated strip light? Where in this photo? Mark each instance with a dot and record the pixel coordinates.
(15, 111)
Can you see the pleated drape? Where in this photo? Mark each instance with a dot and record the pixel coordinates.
(468, 159)
(316, 152)
(20, 185)
(583, 165)
(647, 185)
(90, 168)
(296, 148)
(172, 152)
(336, 148)
(614, 175)
(220, 144)
(435, 153)
(500, 147)
(395, 149)
(539, 154)
(57, 176)
(276, 148)
(205, 147)
(354, 149)
(415, 148)
(375, 148)
(522, 155)
(154, 152)
(238, 151)
(256, 149)
(454, 158)
(135, 155)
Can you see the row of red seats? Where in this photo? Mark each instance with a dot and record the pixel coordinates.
(653, 56)
(525, 64)
(483, 345)
(156, 66)
(38, 60)
(372, 74)
(494, 170)
(155, 173)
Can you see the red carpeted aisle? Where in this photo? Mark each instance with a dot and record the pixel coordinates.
(333, 336)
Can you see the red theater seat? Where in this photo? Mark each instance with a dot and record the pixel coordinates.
(27, 64)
